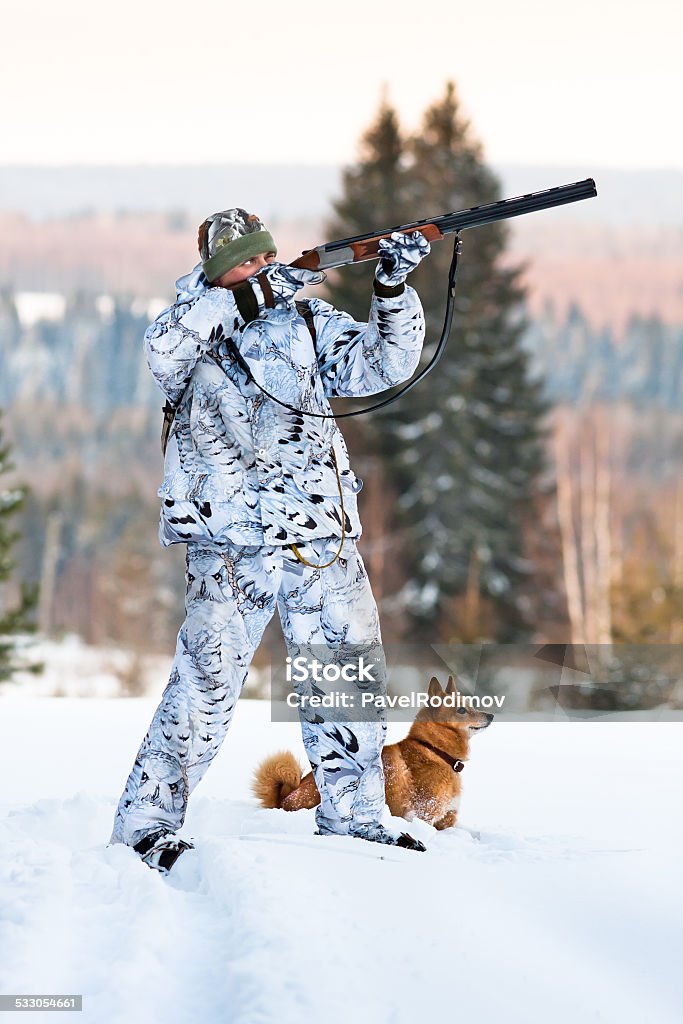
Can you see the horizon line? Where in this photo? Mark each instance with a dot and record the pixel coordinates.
(136, 165)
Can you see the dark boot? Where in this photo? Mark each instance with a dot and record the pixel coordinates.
(376, 833)
(161, 850)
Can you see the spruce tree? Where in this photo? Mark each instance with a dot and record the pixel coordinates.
(465, 447)
(19, 618)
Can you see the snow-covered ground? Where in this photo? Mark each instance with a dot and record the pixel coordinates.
(567, 908)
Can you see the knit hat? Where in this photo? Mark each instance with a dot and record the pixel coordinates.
(230, 237)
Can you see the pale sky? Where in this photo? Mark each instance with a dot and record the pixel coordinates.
(594, 83)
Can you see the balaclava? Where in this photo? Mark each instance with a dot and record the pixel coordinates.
(229, 238)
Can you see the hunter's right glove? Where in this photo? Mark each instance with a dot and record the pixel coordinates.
(274, 287)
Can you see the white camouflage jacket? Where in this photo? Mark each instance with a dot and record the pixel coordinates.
(239, 467)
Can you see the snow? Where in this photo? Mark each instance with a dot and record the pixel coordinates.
(34, 306)
(567, 908)
(72, 668)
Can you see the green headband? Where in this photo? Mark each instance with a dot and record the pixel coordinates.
(233, 253)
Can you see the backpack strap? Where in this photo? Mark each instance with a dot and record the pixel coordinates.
(169, 410)
(304, 310)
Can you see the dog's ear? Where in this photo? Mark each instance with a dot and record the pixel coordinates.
(434, 687)
(451, 687)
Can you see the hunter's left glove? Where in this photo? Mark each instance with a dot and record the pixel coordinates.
(400, 254)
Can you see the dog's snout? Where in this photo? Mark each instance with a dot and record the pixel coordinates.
(489, 718)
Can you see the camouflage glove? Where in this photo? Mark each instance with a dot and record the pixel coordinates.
(400, 254)
(274, 286)
(277, 284)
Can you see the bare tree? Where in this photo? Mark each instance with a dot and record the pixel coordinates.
(565, 514)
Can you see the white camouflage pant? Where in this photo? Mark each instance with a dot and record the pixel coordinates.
(231, 596)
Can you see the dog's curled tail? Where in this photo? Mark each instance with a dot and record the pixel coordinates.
(275, 778)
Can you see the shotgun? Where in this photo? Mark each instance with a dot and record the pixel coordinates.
(364, 247)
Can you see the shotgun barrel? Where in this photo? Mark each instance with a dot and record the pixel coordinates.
(365, 247)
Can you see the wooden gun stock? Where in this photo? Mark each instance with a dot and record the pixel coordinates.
(366, 249)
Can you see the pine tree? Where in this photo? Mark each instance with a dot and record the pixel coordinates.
(18, 619)
(465, 446)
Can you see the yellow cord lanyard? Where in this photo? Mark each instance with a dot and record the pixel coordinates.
(341, 545)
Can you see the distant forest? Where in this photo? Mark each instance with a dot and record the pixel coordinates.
(83, 413)
(605, 338)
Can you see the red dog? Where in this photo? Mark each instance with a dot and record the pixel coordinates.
(421, 772)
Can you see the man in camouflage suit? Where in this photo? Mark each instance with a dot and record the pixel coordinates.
(265, 500)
